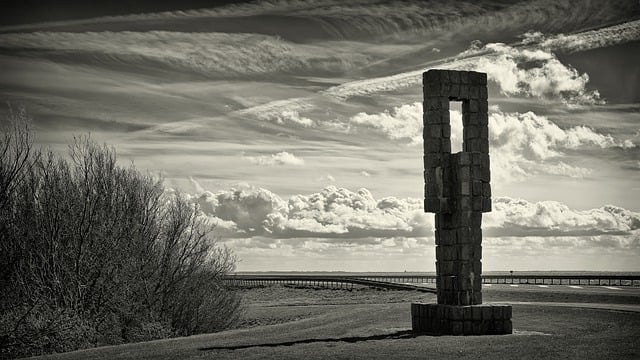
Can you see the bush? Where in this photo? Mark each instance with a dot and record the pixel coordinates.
(103, 246)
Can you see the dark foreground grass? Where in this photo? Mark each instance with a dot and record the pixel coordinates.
(284, 323)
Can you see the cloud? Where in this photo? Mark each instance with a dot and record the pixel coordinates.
(534, 73)
(354, 216)
(530, 69)
(327, 178)
(365, 173)
(333, 213)
(403, 122)
(517, 217)
(281, 111)
(608, 36)
(279, 159)
(208, 54)
(520, 143)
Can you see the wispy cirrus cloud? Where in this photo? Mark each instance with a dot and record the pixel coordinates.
(208, 54)
(528, 69)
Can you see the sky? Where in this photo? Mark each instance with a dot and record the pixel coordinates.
(296, 126)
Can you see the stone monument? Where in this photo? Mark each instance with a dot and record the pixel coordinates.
(458, 191)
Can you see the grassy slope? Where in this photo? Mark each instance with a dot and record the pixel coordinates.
(319, 324)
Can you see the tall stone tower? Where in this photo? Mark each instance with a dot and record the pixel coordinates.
(458, 191)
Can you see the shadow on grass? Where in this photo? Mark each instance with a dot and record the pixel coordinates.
(404, 334)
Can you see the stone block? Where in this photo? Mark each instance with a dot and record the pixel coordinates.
(468, 328)
(507, 312)
(477, 203)
(436, 103)
(454, 91)
(456, 313)
(474, 92)
(477, 298)
(486, 327)
(448, 253)
(432, 204)
(463, 235)
(471, 132)
(484, 146)
(465, 188)
(477, 266)
(464, 91)
(435, 117)
(464, 77)
(454, 77)
(472, 119)
(484, 132)
(483, 106)
(485, 174)
(498, 313)
(486, 204)
(464, 298)
(478, 78)
(446, 130)
(474, 106)
(467, 313)
(432, 131)
(476, 172)
(483, 119)
(457, 328)
(476, 328)
(477, 188)
(445, 145)
(432, 145)
(483, 93)
(476, 313)
(435, 75)
(507, 327)
(475, 235)
(486, 190)
(466, 252)
(477, 251)
(477, 285)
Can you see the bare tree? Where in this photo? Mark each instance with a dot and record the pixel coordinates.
(103, 247)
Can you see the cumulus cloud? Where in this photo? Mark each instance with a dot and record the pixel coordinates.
(337, 219)
(341, 213)
(403, 122)
(518, 217)
(521, 143)
(281, 158)
(531, 69)
(333, 212)
(534, 73)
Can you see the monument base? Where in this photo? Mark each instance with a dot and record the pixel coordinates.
(438, 319)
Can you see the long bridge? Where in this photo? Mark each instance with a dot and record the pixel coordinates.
(423, 283)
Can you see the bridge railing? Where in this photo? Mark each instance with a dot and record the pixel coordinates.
(408, 281)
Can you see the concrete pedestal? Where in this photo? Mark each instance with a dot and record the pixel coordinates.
(438, 319)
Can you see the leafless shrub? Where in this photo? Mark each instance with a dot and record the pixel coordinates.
(85, 237)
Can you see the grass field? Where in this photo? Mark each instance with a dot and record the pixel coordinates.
(295, 323)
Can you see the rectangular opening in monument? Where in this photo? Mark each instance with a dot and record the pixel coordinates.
(455, 116)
